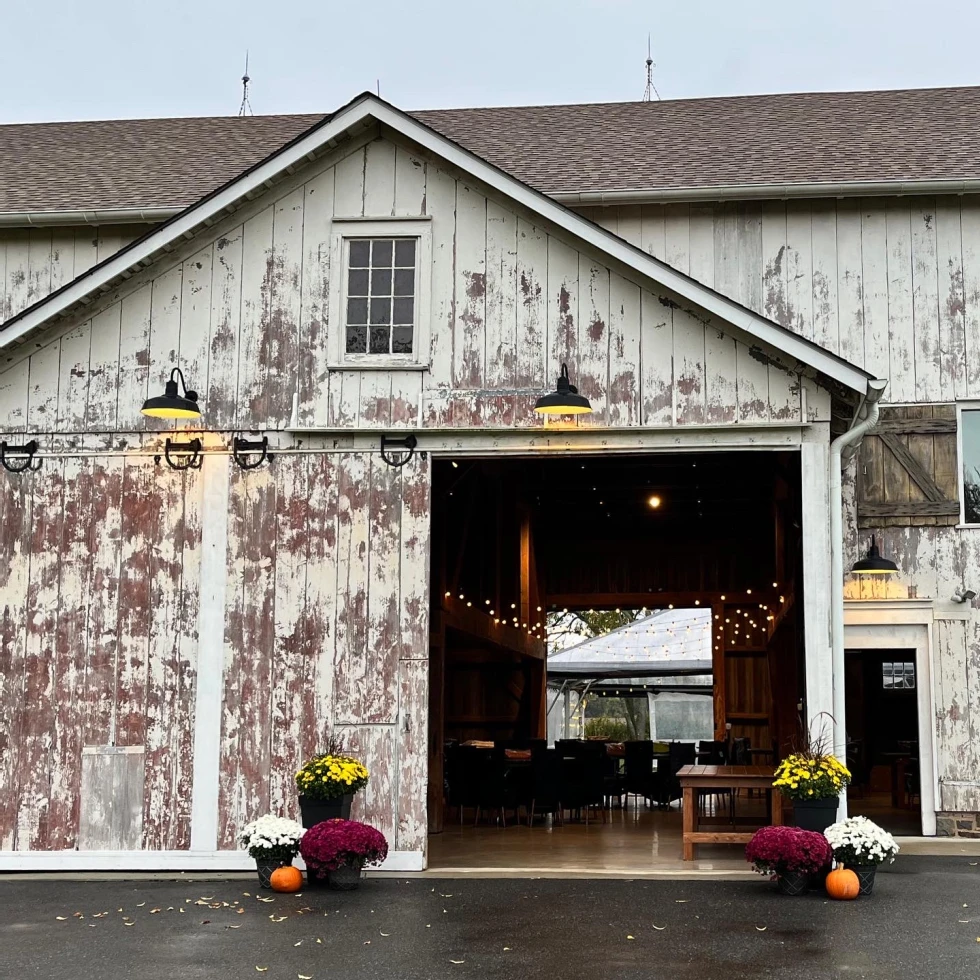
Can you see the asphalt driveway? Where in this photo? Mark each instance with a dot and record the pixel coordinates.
(922, 922)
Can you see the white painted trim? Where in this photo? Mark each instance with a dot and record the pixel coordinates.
(362, 111)
(209, 689)
(814, 457)
(164, 861)
(770, 191)
(343, 229)
(105, 216)
(904, 624)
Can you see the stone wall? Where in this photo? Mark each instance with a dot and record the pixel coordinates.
(958, 825)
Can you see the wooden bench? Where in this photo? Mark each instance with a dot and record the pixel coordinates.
(693, 778)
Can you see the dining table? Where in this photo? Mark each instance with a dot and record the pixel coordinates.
(694, 778)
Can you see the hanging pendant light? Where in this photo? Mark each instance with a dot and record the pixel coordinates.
(873, 563)
(171, 405)
(565, 400)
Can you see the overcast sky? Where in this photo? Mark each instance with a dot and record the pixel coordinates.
(65, 59)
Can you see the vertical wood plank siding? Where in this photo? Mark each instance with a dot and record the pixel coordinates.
(326, 602)
(246, 315)
(326, 629)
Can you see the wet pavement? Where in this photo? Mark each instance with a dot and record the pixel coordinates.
(922, 922)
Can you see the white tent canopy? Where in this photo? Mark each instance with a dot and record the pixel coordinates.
(670, 642)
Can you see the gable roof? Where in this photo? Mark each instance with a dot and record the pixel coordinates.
(363, 112)
(805, 144)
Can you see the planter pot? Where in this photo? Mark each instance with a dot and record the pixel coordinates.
(265, 869)
(866, 876)
(793, 882)
(316, 811)
(815, 815)
(346, 877)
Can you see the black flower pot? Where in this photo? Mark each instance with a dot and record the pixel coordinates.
(815, 815)
(793, 882)
(345, 878)
(866, 876)
(265, 868)
(316, 811)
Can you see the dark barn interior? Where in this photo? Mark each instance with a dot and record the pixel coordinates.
(515, 537)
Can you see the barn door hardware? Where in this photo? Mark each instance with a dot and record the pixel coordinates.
(183, 455)
(243, 449)
(406, 443)
(18, 459)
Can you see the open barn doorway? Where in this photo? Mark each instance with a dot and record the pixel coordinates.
(686, 566)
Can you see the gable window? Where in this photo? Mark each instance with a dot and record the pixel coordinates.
(381, 292)
(381, 295)
(969, 439)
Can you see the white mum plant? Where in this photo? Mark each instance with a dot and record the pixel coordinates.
(858, 840)
(272, 838)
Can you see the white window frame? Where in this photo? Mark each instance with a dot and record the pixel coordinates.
(961, 407)
(342, 231)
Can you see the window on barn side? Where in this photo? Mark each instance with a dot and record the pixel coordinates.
(969, 437)
(380, 282)
(898, 676)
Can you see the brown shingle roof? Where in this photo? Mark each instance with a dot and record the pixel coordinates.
(908, 135)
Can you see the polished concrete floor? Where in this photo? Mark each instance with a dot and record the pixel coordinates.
(637, 840)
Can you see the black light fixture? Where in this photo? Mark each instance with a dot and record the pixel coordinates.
(873, 563)
(565, 400)
(171, 405)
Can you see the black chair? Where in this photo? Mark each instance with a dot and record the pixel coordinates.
(669, 787)
(498, 790)
(466, 768)
(716, 754)
(582, 785)
(545, 788)
(640, 779)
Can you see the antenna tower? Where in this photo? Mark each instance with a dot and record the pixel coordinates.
(651, 89)
(245, 109)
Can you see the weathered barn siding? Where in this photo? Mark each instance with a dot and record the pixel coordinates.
(37, 261)
(246, 316)
(99, 563)
(891, 284)
(325, 629)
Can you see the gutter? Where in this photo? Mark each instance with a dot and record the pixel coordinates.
(749, 192)
(865, 419)
(110, 216)
(722, 192)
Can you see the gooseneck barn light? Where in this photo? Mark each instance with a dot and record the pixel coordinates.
(873, 564)
(171, 405)
(565, 400)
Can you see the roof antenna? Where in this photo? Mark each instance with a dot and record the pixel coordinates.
(379, 88)
(651, 89)
(246, 107)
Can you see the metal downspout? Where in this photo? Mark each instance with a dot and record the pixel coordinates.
(865, 420)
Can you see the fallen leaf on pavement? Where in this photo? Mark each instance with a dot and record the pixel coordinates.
(141, 904)
(259, 897)
(761, 928)
(300, 943)
(261, 969)
(320, 941)
(241, 911)
(658, 928)
(154, 911)
(235, 927)
(681, 901)
(506, 948)
(457, 962)
(129, 923)
(973, 864)
(386, 934)
(629, 937)
(303, 976)
(61, 918)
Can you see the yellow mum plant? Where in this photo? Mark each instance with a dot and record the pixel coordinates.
(329, 776)
(802, 777)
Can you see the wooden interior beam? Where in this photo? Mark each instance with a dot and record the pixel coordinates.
(660, 600)
(457, 615)
(718, 669)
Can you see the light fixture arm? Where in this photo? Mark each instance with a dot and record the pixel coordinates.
(174, 375)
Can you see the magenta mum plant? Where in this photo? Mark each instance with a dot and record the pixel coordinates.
(328, 845)
(777, 850)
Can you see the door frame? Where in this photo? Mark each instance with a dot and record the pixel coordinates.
(905, 624)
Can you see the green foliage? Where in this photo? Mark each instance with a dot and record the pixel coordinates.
(971, 498)
(611, 728)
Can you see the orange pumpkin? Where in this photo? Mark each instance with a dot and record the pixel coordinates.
(843, 884)
(290, 879)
